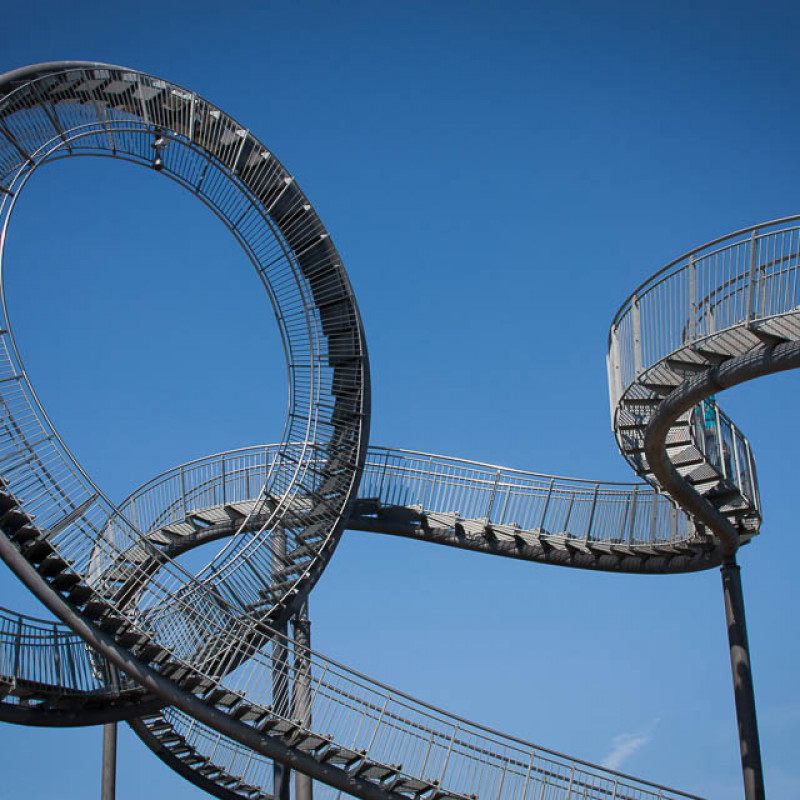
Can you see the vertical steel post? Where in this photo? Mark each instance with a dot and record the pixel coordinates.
(692, 321)
(108, 790)
(636, 325)
(720, 448)
(183, 493)
(591, 514)
(752, 280)
(632, 520)
(492, 496)
(280, 670)
(744, 696)
(301, 632)
(737, 478)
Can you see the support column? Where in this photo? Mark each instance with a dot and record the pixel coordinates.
(301, 632)
(108, 790)
(743, 693)
(280, 672)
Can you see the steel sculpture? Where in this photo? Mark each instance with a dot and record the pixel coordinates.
(202, 665)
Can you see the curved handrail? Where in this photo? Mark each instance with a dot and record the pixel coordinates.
(38, 653)
(656, 276)
(220, 142)
(760, 273)
(601, 511)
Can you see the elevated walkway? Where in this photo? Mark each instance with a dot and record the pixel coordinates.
(203, 658)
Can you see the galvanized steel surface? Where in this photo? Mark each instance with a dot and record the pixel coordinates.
(207, 642)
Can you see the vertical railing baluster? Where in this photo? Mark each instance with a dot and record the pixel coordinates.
(753, 478)
(720, 449)
(383, 475)
(134, 514)
(546, 504)
(502, 519)
(544, 786)
(527, 782)
(763, 276)
(614, 370)
(502, 780)
(428, 483)
(447, 757)
(17, 648)
(571, 780)
(692, 322)
(636, 323)
(752, 278)
(569, 511)
(632, 521)
(427, 756)
(734, 444)
(377, 724)
(183, 493)
(56, 655)
(492, 496)
(71, 663)
(222, 472)
(653, 516)
(591, 513)
(190, 132)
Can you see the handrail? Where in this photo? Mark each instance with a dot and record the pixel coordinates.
(51, 657)
(633, 513)
(745, 269)
(685, 256)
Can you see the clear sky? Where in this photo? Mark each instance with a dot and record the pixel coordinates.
(498, 177)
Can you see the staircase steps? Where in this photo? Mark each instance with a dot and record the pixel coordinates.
(342, 756)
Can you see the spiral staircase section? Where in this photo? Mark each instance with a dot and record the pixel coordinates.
(718, 315)
(201, 663)
(722, 314)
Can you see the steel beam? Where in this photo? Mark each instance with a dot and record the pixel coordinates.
(108, 789)
(281, 774)
(743, 693)
(301, 632)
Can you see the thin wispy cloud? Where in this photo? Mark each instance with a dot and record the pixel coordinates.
(624, 745)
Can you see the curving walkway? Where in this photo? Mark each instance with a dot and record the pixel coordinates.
(204, 661)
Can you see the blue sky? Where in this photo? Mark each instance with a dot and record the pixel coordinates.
(498, 178)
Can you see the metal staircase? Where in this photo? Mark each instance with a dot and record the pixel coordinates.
(213, 683)
(721, 314)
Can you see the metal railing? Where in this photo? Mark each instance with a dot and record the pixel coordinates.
(526, 501)
(431, 484)
(738, 279)
(49, 658)
(387, 727)
(362, 715)
(100, 110)
(726, 449)
(91, 109)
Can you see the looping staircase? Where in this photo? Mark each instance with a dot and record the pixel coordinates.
(202, 664)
